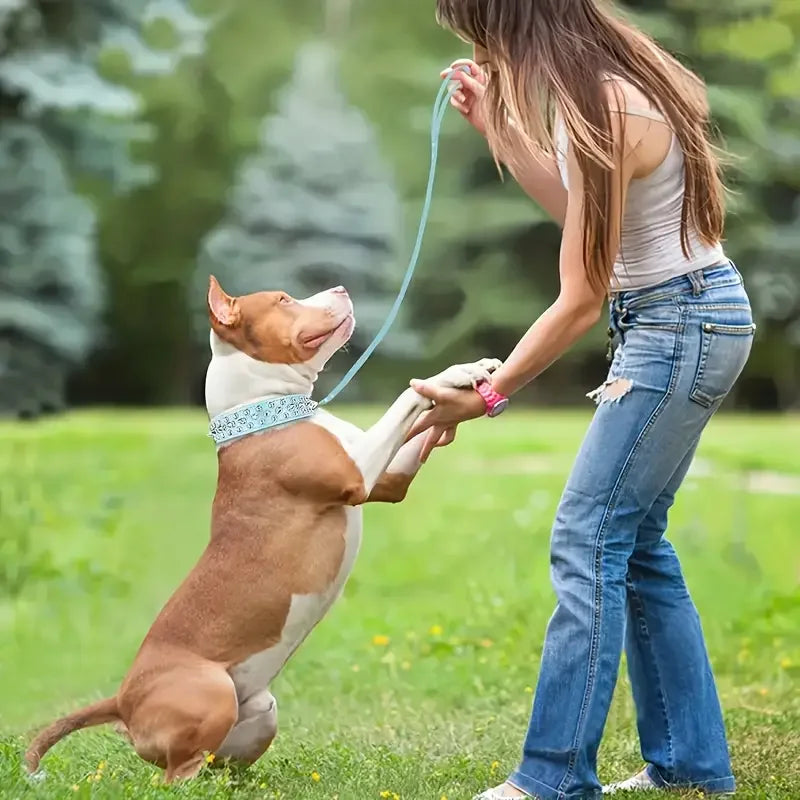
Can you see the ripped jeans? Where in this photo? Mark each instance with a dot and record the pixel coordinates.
(617, 579)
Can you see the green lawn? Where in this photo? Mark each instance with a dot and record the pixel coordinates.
(418, 684)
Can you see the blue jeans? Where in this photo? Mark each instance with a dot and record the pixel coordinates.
(618, 582)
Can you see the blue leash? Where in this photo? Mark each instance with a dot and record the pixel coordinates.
(270, 413)
(446, 91)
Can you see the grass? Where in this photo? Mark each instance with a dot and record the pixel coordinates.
(418, 684)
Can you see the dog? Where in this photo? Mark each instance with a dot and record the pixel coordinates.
(286, 526)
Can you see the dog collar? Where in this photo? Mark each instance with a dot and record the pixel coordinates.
(260, 416)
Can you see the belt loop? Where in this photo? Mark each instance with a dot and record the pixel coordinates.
(698, 281)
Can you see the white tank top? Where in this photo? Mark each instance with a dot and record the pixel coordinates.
(650, 248)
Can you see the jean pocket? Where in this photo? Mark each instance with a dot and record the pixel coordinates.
(663, 316)
(724, 350)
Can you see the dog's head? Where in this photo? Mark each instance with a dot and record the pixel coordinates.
(269, 343)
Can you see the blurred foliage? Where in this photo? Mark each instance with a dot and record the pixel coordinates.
(59, 118)
(313, 208)
(200, 139)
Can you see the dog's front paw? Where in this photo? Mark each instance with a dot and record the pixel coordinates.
(464, 376)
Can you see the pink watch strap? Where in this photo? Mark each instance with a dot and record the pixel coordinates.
(495, 402)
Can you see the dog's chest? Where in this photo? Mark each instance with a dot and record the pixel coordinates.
(306, 610)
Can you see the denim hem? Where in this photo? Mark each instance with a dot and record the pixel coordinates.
(712, 786)
(541, 791)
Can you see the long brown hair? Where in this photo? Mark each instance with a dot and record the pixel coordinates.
(549, 55)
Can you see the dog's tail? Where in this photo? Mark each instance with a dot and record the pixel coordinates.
(95, 714)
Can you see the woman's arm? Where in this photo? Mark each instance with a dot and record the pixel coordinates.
(578, 306)
(539, 178)
(574, 312)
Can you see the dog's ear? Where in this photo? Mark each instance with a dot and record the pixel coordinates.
(222, 308)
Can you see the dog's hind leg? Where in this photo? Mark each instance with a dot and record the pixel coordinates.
(252, 735)
(184, 719)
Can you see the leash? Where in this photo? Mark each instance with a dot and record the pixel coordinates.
(265, 414)
(446, 91)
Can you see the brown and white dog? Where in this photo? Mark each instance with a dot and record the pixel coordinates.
(285, 531)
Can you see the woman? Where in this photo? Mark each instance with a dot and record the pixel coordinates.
(610, 134)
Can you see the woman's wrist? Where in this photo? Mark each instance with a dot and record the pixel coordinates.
(504, 384)
(546, 341)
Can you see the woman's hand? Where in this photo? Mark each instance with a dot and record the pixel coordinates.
(438, 436)
(468, 99)
(452, 406)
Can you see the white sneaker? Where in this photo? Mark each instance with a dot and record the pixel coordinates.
(499, 793)
(639, 782)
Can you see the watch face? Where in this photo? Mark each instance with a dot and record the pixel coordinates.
(499, 408)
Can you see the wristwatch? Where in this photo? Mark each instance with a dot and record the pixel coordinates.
(496, 403)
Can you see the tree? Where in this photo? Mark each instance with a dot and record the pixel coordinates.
(315, 206)
(205, 116)
(489, 263)
(56, 119)
(50, 292)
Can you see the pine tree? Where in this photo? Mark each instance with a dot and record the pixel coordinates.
(314, 207)
(59, 116)
(50, 294)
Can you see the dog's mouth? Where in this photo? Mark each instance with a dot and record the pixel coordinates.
(314, 342)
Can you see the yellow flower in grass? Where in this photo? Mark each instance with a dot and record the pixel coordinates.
(495, 766)
(210, 758)
(786, 663)
(436, 630)
(529, 690)
(315, 777)
(379, 640)
(387, 795)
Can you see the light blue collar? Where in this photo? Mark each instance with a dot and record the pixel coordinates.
(260, 416)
